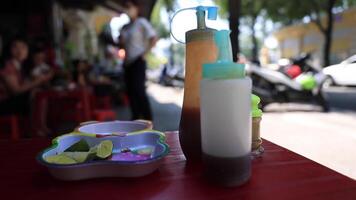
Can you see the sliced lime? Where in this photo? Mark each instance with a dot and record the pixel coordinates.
(93, 149)
(104, 149)
(60, 159)
(79, 157)
(81, 145)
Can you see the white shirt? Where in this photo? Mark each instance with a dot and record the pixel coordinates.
(40, 70)
(136, 36)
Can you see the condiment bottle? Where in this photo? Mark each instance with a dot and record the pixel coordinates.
(200, 48)
(257, 148)
(226, 117)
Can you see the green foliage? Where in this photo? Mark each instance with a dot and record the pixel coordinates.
(292, 11)
(288, 12)
(153, 61)
(252, 8)
(223, 7)
(169, 4)
(156, 20)
(248, 7)
(178, 54)
(284, 11)
(247, 45)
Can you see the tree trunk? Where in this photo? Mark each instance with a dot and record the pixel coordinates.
(146, 7)
(254, 50)
(234, 21)
(171, 57)
(328, 33)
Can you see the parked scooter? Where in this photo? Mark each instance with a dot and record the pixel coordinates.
(295, 66)
(275, 86)
(172, 76)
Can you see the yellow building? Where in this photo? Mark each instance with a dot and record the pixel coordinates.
(307, 38)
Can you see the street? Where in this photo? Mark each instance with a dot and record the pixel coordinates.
(327, 138)
(342, 97)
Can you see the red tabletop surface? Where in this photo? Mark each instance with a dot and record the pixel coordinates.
(279, 174)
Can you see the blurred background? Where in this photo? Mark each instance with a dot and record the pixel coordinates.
(301, 57)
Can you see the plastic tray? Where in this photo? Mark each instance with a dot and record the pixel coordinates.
(114, 127)
(108, 168)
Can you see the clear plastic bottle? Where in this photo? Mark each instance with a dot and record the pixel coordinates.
(226, 118)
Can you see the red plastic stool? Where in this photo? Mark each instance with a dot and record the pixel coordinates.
(11, 121)
(104, 115)
(103, 102)
(125, 99)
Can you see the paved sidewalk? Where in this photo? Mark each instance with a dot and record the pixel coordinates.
(166, 105)
(327, 138)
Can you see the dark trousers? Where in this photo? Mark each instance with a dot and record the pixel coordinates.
(135, 78)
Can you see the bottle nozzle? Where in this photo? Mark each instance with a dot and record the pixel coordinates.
(222, 41)
(223, 68)
(200, 17)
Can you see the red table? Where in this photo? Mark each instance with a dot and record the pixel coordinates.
(279, 174)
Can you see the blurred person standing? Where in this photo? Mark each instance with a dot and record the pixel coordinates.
(137, 38)
(15, 86)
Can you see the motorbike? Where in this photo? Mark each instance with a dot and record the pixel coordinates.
(278, 86)
(295, 66)
(172, 76)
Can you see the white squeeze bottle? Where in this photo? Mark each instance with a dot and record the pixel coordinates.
(225, 103)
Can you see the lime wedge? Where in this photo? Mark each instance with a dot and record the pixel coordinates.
(60, 159)
(81, 145)
(104, 149)
(79, 157)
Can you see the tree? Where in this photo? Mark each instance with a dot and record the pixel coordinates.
(232, 9)
(146, 7)
(325, 30)
(234, 22)
(253, 9)
(156, 20)
(162, 28)
(320, 12)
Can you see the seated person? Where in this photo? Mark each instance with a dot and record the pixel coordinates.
(40, 67)
(80, 73)
(15, 88)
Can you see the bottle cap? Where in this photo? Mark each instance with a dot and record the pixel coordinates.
(211, 10)
(224, 67)
(255, 100)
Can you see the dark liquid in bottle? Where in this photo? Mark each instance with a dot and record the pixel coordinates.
(227, 171)
(189, 134)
